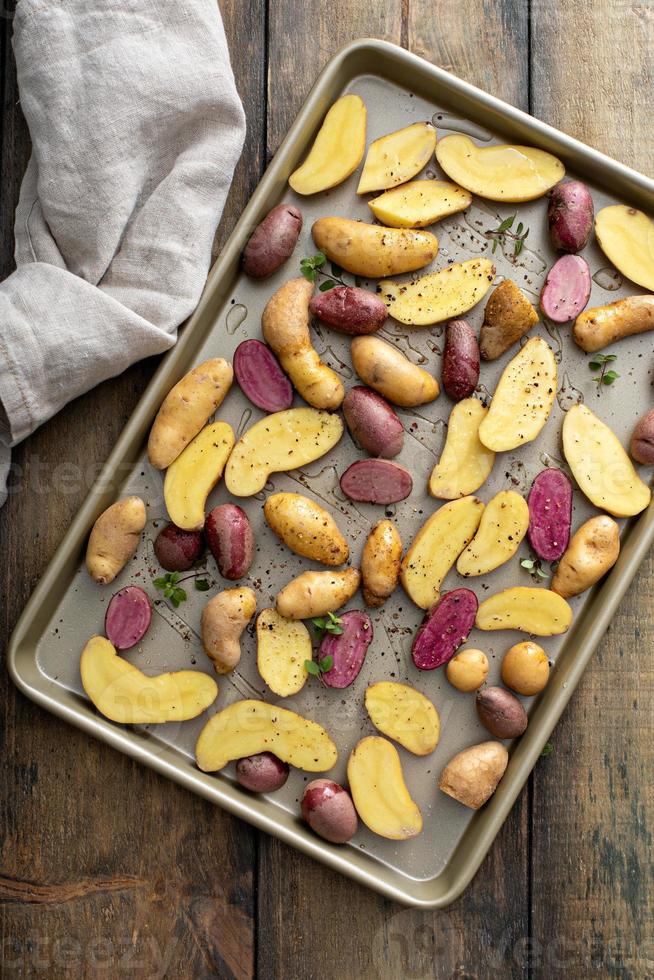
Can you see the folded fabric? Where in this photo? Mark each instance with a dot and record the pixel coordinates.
(136, 128)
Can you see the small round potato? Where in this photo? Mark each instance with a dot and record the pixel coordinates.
(468, 670)
(262, 773)
(641, 446)
(501, 713)
(525, 668)
(329, 811)
(177, 550)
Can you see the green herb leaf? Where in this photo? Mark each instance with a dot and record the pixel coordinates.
(528, 563)
(312, 667)
(610, 357)
(519, 229)
(202, 585)
(610, 377)
(518, 247)
(494, 245)
(160, 583)
(548, 748)
(326, 284)
(541, 573)
(594, 365)
(319, 622)
(336, 270)
(326, 664)
(506, 224)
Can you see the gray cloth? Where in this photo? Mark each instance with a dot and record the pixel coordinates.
(136, 128)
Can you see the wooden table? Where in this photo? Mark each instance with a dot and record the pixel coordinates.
(109, 870)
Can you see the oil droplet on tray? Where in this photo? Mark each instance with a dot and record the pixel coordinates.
(236, 316)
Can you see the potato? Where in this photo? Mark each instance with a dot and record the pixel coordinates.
(249, 727)
(193, 475)
(376, 481)
(550, 514)
(384, 368)
(503, 525)
(600, 465)
(501, 713)
(380, 795)
(405, 715)
(540, 612)
(337, 149)
(347, 649)
(279, 443)
(261, 773)
(436, 547)
(272, 241)
(306, 528)
(285, 326)
(439, 295)
(508, 316)
(626, 236)
(445, 627)
(314, 594)
(114, 539)
(397, 157)
(380, 563)
(122, 693)
(178, 550)
(261, 378)
(460, 360)
(329, 811)
(523, 399)
(467, 670)
(224, 618)
(641, 445)
(419, 203)
(128, 617)
(525, 668)
(229, 535)
(349, 309)
(570, 212)
(472, 776)
(186, 408)
(372, 251)
(603, 325)
(372, 422)
(566, 289)
(593, 550)
(498, 173)
(465, 463)
(283, 646)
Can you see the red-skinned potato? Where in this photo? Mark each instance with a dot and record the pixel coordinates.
(460, 360)
(349, 310)
(566, 289)
(641, 446)
(229, 536)
(260, 377)
(373, 423)
(550, 514)
(128, 617)
(272, 241)
(347, 649)
(570, 214)
(329, 811)
(177, 550)
(376, 481)
(262, 773)
(445, 627)
(501, 713)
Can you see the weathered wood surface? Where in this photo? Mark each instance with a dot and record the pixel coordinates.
(109, 870)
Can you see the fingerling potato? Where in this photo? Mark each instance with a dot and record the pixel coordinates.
(472, 776)
(465, 462)
(499, 172)
(193, 475)
(329, 811)
(508, 316)
(380, 563)
(231, 540)
(385, 369)
(261, 378)
(503, 525)
(603, 325)
(538, 611)
(114, 539)
(376, 481)
(405, 715)
(224, 618)
(593, 550)
(337, 149)
(570, 213)
(314, 594)
(283, 646)
(346, 649)
(566, 289)
(373, 423)
(460, 360)
(306, 528)
(272, 241)
(372, 251)
(349, 309)
(641, 444)
(445, 627)
(419, 203)
(438, 296)
(397, 157)
(380, 795)
(550, 514)
(626, 236)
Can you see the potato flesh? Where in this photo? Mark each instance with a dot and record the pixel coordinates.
(278, 443)
(502, 527)
(122, 693)
(380, 795)
(440, 295)
(397, 157)
(405, 715)
(193, 475)
(537, 611)
(626, 236)
(283, 646)
(337, 149)
(373, 251)
(420, 203)
(436, 547)
(249, 727)
(499, 173)
(306, 528)
(600, 465)
(465, 462)
(523, 399)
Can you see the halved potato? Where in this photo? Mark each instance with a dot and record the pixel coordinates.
(465, 462)
(397, 157)
(523, 399)
(600, 465)
(123, 693)
(420, 203)
(626, 236)
(405, 715)
(337, 149)
(373, 251)
(380, 795)
(502, 527)
(193, 475)
(499, 173)
(439, 295)
(278, 443)
(249, 727)
(282, 648)
(537, 611)
(436, 547)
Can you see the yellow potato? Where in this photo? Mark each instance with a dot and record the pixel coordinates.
(499, 173)
(114, 539)
(380, 563)
(405, 715)
(193, 475)
(537, 611)
(465, 463)
(224, 618)
(436, 547)
(508, 316)
(337, 149)
(371, 250)
(317, 593)
(523, 399)
(593, 550)
(626, 236)
(502, 527)
(306, 528)
(283, 646)
(380, 795)
(397, 157)
(467, 670)
(600, 465)
(440, 295)
(525, 668)
(249, 727)
(278, 443)
(603, 325)
(121, 692)
(420, 203)
(384, 368)
(285, 327)
(186, 409)
(471, 777)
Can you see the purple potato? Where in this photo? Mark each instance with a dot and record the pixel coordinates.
(566, 289)
(445, 627)
(373, 422)
(272, 241)
(329, 811)
(261, 378)
(178, 550)
(376, 481)
(460, 360)
(349, 309)
(550, 514)
(570, 214)
(128, 617)
(347, 649)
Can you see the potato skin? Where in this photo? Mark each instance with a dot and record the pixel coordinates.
(260, 377)
(329, 811)
(262, 773)
(550, 514)
(177, 550)
(525, 668)
(641, 445)
(347, 649)
(508, 316)
(603, 325)
(223, 620)
(472, 776)
(272, 241)
(317, 593)
(373, 423)
(128, 617)
(229, 536)
(570, 213)
(460, 360)
(380, 563)
(306, 528)
(445, 627)
(566, 289)
(501, 713)
(373, 251)
(349, 309)
(385, 369)
(376, 481)
(114, 539)
(467, 670)
(593, 550)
